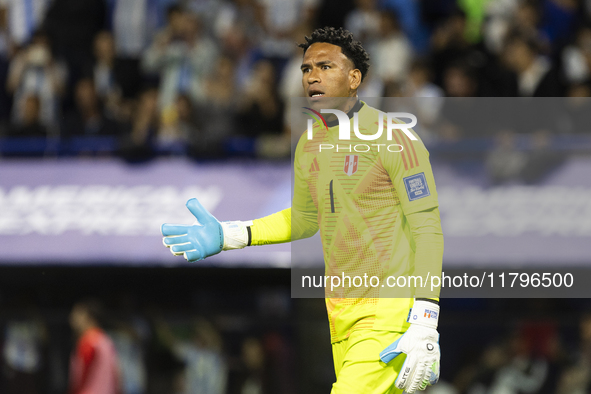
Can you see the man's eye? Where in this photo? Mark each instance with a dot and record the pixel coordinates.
(325, 67)
(305, 70)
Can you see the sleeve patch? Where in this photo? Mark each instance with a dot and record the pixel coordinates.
(416, 186)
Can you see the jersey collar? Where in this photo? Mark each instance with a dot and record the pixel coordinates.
(358, 105)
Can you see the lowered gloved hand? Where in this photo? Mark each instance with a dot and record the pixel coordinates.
(420, 343)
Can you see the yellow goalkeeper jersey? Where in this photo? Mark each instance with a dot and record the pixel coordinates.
(357, 194)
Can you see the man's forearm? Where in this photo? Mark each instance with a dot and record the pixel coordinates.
(284, 226)
(272, 229)
(428, 238)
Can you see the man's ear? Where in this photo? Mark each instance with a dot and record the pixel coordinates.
(354, 79)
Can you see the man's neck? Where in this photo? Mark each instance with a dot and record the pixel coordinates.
(352, 106)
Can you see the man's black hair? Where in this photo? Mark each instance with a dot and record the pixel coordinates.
(344, 39)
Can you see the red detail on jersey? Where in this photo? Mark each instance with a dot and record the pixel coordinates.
(351, 162)
(412, 147)
(402, 153)
(314, 166)
(406, 142)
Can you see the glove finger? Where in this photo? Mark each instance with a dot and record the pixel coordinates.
(391, 352)
(175, 240)
(193, 255)
(424, 385)
(201, 214)
(431, 377)
(181, 248)
(173, 229)
(417, 378)
(406, 372)
(433, 373)
(175, 253)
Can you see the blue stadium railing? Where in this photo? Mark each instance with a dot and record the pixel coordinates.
(245, 146)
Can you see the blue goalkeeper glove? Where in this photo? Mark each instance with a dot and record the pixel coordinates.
(420, 343)
(206, 237)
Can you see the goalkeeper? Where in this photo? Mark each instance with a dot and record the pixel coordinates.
(377, 213)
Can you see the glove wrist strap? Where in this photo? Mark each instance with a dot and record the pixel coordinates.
(424, 313)
(236, 234)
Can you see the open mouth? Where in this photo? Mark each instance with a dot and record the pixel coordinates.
(315, 94)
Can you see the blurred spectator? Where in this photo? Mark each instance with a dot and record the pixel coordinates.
(536, 77)
(411, 19)
(252, 377)
(576, 58)
(24, 18)
(279, 19)
(72, 26)
(133, 23)
(35, 71)
(508, 17)
(129, 335)
(182, 56)
(505, 162)
(206, 9)
(238, 32)
(264, 367)
(450, 46)
(475, 12)
(261, 109)
(177, 127)
(559, 20)
(216, 117)
(31, 123)
(205, 370)
(577, 119)
(459, 80)
(421, 98)
(6, 52)
(93, 366)
(527, 21)
(541, 159)
(290, 84)
(365, 22)
(88, 118)
(576, 379)
(106, 78)
(24, 358)
(510, 367)
(499, 18)
(165, 368)
(420, 83)
(392, 53)
(239, 14)
(144, 127)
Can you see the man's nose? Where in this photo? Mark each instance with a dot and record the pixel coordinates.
(313, 76)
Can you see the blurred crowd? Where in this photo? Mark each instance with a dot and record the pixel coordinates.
(138, 347)
(538, 355)
(133, 349)
(210, 78)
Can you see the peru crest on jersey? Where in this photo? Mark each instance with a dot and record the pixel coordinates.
(351, 162)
